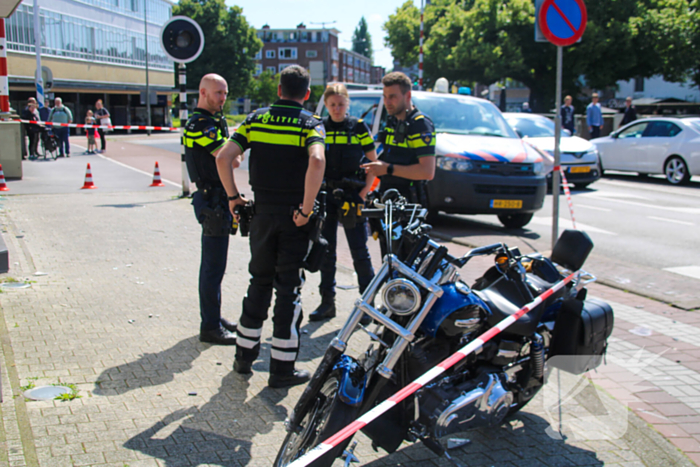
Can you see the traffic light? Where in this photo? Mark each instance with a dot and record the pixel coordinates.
(182, 39)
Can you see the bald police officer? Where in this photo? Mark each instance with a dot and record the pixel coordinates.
(204, 135)
(287, 163)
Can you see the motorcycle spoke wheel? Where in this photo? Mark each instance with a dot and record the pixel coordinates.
(327, 415)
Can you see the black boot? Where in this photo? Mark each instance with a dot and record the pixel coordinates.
(325, 310)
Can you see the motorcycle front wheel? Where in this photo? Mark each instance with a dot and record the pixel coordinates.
(325, 417)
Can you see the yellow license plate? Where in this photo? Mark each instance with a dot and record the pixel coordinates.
(507, 203)
(579, 170)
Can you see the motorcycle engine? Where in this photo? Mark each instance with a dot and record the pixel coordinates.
(447, 408)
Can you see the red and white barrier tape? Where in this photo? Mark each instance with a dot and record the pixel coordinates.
(103, 127)
(424, 379)
(568, 197)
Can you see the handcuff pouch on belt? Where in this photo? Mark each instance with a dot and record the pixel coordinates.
(318, 246)
(349, 203)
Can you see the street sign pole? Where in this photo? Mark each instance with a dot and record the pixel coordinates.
(182, 78)
(556, 179)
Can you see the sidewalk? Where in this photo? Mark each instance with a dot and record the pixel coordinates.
(117, 316)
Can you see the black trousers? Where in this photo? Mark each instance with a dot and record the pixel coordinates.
(103, 141)
(277, 248)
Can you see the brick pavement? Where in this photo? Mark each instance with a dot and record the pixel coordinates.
(117, 316)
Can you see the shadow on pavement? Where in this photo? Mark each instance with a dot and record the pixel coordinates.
(151, 369)
(138, 205)
(519, 441)
(658, 180)
(218, 433)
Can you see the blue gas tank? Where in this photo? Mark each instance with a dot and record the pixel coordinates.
(459, 311)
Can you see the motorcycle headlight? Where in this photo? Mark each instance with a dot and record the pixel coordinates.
(454, 164)
(401, 297)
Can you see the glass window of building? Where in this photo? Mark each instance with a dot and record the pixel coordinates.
(311, 53)
(269, 54)
(287, 53)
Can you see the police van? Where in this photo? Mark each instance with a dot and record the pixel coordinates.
(482, 165)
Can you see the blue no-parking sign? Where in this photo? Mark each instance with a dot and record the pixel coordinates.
(561, 22)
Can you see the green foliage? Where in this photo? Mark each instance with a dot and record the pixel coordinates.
(263, 89)
(487, 41)
(230, 43)
(69, 396)
(316, 95)
(28, 386)
(362, 39)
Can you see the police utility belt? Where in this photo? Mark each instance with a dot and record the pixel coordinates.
(215, 217)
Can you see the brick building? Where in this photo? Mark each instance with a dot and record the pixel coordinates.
(314, 49)
(354, 67)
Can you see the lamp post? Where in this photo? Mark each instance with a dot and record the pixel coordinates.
(148, 87)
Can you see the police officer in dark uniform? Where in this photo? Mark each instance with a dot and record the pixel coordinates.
(286, 171)
(408, 158)
(348, 142)
(204, 135)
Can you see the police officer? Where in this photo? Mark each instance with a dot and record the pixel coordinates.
(204, 135)
(408, 158)
(348, 140)
(286, 171)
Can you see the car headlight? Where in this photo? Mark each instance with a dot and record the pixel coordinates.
(401, 297)
(538, 168)
(454, 164)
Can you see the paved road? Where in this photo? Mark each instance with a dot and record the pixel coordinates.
(116, 315)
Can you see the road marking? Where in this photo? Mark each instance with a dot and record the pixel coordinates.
(688, 271)
(567, 224)
(138, 170)
(674, 221)
(579, 205)
(643, 205)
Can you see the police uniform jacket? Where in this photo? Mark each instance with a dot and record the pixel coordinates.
(204, 134)
(279, 137)
(404, 142)
(346, 144)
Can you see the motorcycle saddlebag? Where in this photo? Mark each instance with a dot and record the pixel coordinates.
(581, 330)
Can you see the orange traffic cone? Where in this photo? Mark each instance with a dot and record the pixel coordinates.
(3, 185)
(156, 177)
(88, 180)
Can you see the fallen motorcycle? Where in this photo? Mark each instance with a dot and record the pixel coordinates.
(427, 313)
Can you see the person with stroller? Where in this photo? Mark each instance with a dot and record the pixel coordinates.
(31, 129)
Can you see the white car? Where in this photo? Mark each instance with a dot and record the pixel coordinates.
(579, 158)
(668, 146)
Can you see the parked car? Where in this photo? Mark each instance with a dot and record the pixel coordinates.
(668, 146)
(579, 158)
(482, 166)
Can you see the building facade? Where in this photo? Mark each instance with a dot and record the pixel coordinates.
(314, 49)
(376, 73)
(354, 67)
(95, 49)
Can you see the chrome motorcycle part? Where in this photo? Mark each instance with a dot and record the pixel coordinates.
(537, 356)
(462, 288)
(401, 297)
(485, 405)
(393, 326)
(454, 443)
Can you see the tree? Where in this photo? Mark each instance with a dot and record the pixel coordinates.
(490, 40)
(230, 43)
(263, 90)
(362, 40)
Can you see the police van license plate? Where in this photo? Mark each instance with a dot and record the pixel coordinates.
(507, 203)
(580, 170)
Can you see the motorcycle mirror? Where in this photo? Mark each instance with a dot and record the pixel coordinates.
(391, 194)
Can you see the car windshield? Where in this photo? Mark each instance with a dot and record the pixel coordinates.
(536, 127)
(463, 116)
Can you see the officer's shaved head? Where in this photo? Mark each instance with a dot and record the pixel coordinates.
(213, 90)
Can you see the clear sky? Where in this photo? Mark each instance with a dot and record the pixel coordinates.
(289, 13)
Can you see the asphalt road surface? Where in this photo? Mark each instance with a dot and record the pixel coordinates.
(645, 231)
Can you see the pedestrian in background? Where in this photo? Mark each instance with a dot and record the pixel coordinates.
(594, 117)
(287, 163)
(205, 133)
(348, 142)
(630, 112)
(61, 114)
(90, 132)
(567, 115)
(102, 116)
(526, 108)
(31, 130)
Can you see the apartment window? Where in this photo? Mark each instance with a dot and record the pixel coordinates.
(271, 69)
(334, 53)
(335, 69)
(311, 53)
(258, 69)
(288, 53)
(269, 54)
(258, 55)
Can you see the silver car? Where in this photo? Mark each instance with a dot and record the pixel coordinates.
(668, 146)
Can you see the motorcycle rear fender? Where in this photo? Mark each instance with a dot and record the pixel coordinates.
(353, 380)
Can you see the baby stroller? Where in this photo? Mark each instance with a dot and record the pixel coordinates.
(49, 144)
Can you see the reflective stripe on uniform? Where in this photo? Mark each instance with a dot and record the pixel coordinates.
(248, 332)
(246, 343)
(283, 356)
(285, 343)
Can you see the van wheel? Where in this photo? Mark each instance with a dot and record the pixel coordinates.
(515, 221)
